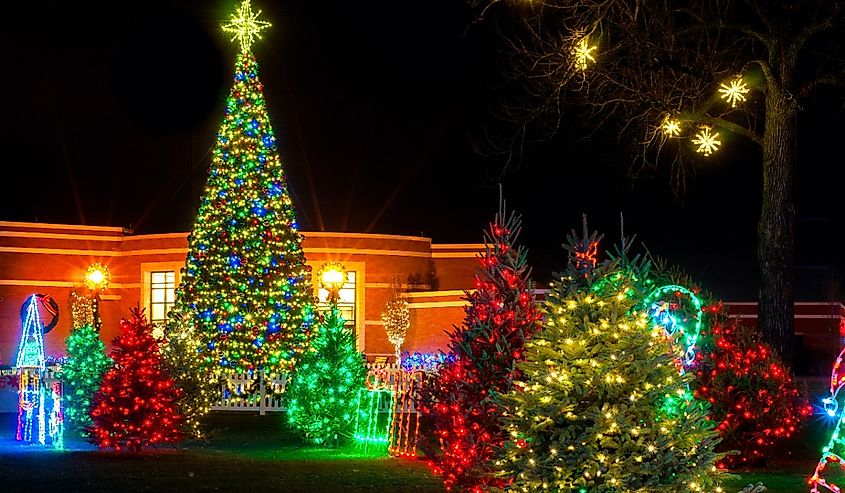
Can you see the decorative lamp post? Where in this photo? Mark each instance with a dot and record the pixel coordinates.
(97, 278)
(332, 277)
(85, 306)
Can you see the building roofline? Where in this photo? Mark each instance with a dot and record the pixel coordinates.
(110, 229)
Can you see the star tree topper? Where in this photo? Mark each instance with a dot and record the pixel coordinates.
(245, 26)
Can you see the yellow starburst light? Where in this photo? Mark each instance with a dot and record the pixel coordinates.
(245, 26)
(734, 92)
(707, 141)
(671, 127)
(583, 53)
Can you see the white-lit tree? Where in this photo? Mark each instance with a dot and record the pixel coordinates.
(396, 316)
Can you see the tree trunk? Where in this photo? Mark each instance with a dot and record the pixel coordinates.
(776, 228)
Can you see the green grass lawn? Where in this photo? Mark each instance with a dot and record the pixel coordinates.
(250, 453)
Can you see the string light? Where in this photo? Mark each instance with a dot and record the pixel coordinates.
(501, 315)
(734, 92)
(578, 394)
(371, 432)
(246, 290)
(57, 417)
(669, 316)
(425, 362)
(84, 311)
(754, 402)
(405, 421)
(583, 53)
(245, 26)
(834, 450)
(32, 401)
(707, 141)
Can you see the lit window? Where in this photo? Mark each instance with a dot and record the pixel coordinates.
(162, 294)
(346, 301)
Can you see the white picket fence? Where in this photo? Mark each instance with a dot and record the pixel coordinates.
(260, 392)
(248, 392)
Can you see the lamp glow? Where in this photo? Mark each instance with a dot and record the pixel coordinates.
(332, 276)
(97, 277)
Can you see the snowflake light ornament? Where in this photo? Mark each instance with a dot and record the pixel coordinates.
(734, 92)
(707, 141)
(671, 127)
(583, 53)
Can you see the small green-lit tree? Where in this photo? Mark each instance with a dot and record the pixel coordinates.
(322, 396)
(589, 413)
(82, 373)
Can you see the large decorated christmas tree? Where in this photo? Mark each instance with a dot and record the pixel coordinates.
(136, 404)
(245, 286)
(484, 350)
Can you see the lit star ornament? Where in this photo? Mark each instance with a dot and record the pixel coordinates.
(245, 26)
(734, 92)
(707, 141)
(671, 127)
(583, 53)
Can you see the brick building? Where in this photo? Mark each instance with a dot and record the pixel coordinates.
(52, 258)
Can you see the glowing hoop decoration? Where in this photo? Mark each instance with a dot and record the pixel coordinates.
(833, 451)
(662, 313)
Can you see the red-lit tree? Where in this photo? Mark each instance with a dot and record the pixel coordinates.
(485, 349)
(136, 404)
(753, 398)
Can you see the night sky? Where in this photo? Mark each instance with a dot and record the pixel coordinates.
(110, 110)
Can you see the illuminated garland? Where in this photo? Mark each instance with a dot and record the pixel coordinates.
(834, 451)
(246, 289)
(499, 318)
(425, 362)
(135, 406)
